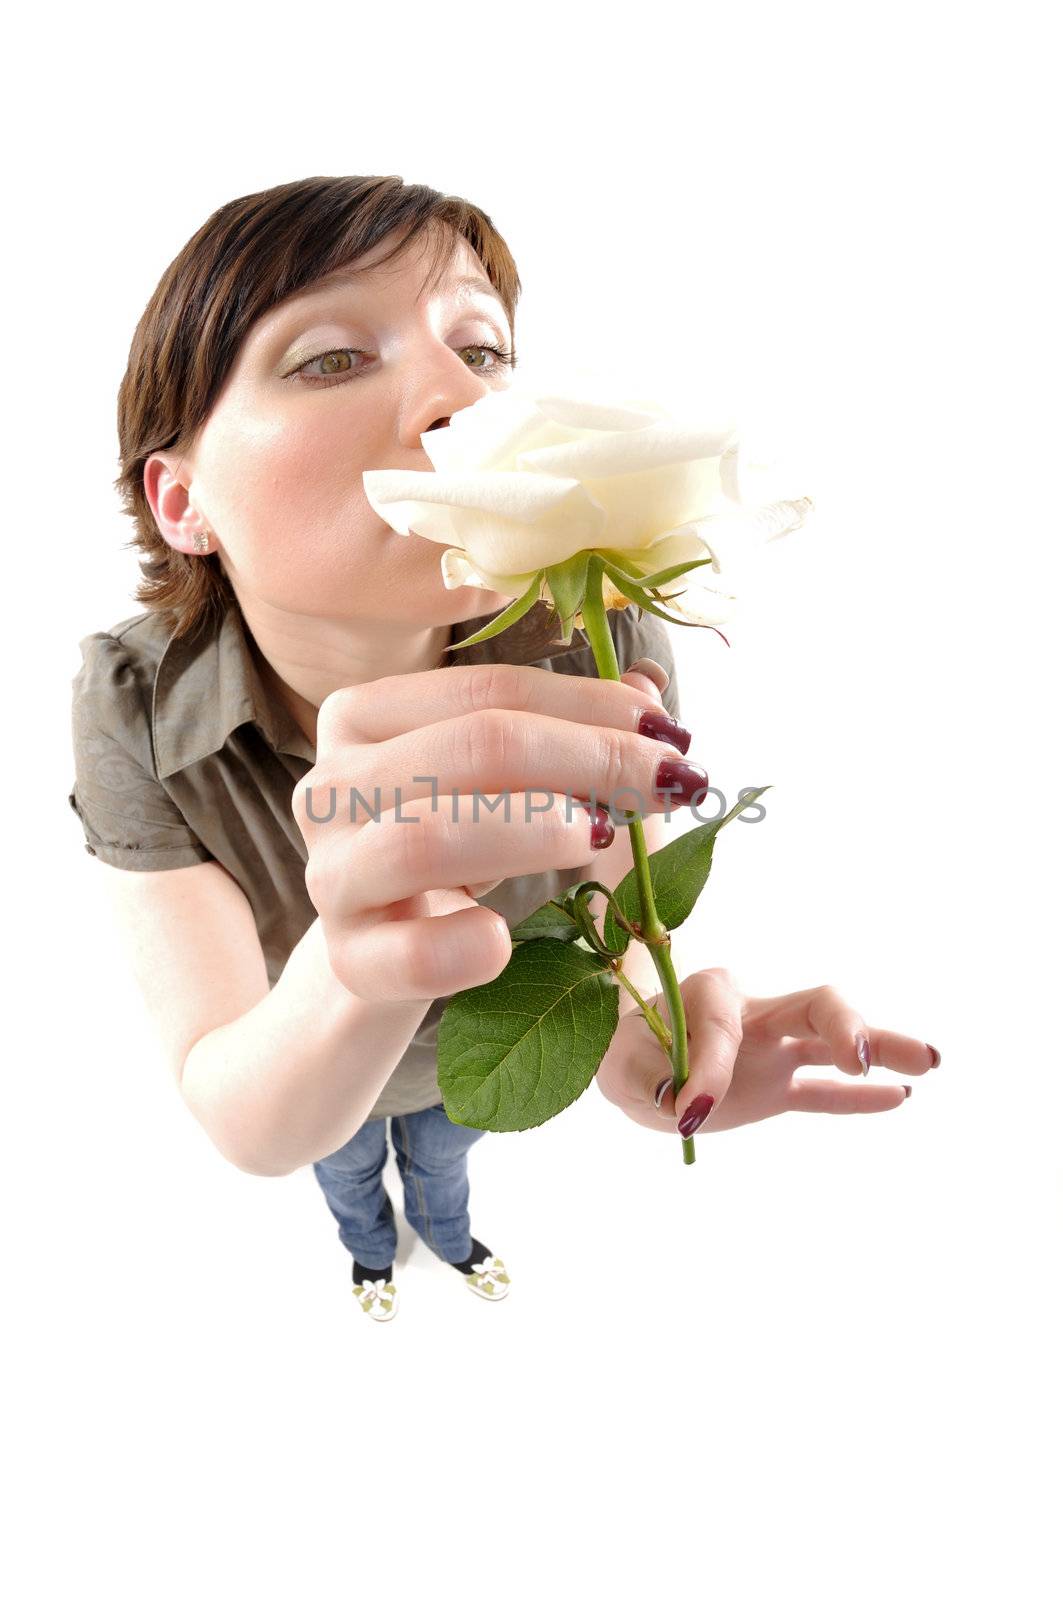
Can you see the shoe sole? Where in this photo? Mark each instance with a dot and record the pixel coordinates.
(486, 1294)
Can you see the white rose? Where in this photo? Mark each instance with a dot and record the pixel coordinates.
(524, 480)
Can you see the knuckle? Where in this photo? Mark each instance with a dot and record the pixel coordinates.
(314, 801)
(497, 684)
(314, 877)
(326, 872)
(612, 762)
(343, 958)
(304, 787)
(336, 712)
(556, 822)
(422, 847)
(298, 801)
(321, 875)
(721, 977)
(489, 739)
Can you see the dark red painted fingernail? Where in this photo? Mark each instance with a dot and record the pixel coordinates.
(683, 779)
(658, 1094)
(935, 1056)
(602, 831)
(907, 1090)
(659, 725)
(695, 1114)
(863, 1050)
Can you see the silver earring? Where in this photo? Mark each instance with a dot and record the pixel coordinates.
(201, 543)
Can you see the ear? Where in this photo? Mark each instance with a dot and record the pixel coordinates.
(167, 484)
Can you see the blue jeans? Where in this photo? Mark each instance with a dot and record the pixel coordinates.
(430, 1151)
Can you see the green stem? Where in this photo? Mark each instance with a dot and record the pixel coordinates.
(654, 1018)
(654, 934)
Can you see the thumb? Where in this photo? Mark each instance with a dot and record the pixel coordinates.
(647, 675)
(656, 1079)
(662, 1098)
(713, 1010)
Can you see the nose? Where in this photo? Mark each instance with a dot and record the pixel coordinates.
(448, 384)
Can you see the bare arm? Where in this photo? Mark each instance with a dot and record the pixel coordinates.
(277, 1078)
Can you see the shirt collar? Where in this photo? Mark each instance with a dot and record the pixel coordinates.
(207, 683)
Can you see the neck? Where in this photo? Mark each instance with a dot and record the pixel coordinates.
(302, 660)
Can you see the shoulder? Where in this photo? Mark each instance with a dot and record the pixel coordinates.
(129, 649)
(112, 688)
(129, 819)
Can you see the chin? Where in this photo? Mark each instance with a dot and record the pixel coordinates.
(488, 600)
(474, 602)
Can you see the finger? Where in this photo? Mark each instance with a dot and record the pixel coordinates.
(840, 1099)
(821, 1011)
(470, 839)
(475, 890)
(404, 702)
(493, 752)
(897, 1051)
(640, 681)
(647, 667)
(643, 675)
(398, 957)
(713, 1009)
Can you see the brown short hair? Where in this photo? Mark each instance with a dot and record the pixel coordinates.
(247, 257)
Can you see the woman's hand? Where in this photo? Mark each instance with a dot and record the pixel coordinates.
(400, 839)
(744, 1052)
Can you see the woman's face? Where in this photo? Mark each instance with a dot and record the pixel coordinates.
(343, 378)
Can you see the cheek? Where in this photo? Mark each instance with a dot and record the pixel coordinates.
(285, 494)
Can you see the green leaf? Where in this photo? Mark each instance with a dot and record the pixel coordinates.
(515, 1052)
(547, 922)
(567, 582)
(677, 875)
(506, 618)
(556, 919)
(629, 589)
(652, 579)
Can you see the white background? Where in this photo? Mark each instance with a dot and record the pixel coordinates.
(826, 1354)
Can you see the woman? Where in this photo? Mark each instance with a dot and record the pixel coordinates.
(297, 961)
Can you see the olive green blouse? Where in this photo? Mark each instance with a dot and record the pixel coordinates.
(180, 756)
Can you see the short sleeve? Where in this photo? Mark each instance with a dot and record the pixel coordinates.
(126, 815)
(638, 633)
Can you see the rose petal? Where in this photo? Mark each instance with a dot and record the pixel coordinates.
(459, 572)
(640, 450)
(750, 475)
(524, 480)
(602, 414)
(669, 550)
(699, 603)
(491, 515)
(488, 433)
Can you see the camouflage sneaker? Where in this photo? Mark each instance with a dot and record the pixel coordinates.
(378, 1297)
(489, 1278)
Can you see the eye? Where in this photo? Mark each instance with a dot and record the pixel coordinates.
(338, 367)
(334, 363)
